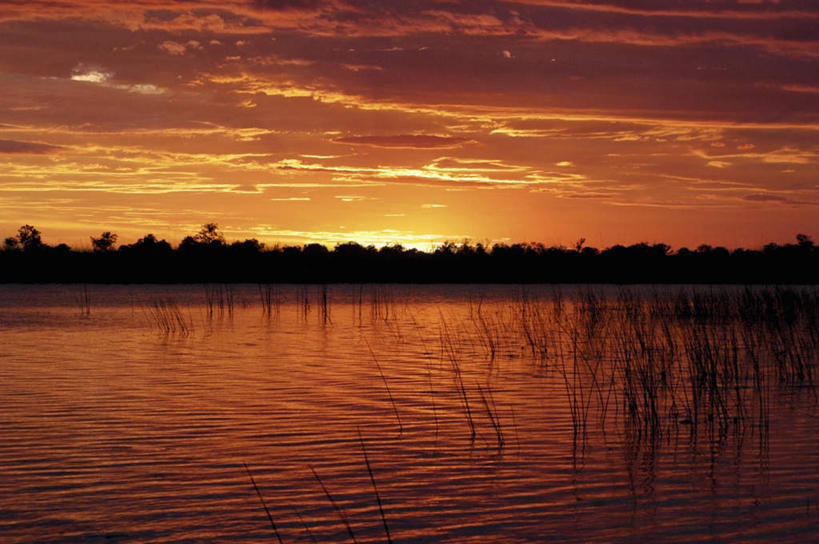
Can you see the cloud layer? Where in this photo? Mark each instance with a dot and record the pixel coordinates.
(541, 120)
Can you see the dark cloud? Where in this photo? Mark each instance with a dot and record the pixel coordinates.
(766, 197)
(287, 4)
(763, 197)
(16, 147)
(405, 141)
(708, 5)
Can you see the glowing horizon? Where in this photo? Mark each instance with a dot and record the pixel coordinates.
(299, 121)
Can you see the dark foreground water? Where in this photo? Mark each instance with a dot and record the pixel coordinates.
(126, 414)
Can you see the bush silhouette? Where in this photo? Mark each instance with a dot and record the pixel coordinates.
(206, 257)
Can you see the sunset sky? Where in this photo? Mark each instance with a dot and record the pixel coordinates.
(412, 122)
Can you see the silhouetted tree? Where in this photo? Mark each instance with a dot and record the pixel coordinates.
(105, 242)
(804, 241)
(29, 238)
(205, 257)
(589, 251)
(578, 246)
(147, 245)
(315, 251)
(149, 241)
(350, 249)
(392, 251)
(208, 238)
(209, 234)
(291, 252)
(249, 246)
(447, 248)
(661, 250)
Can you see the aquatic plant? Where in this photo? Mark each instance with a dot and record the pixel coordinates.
(492, 413)
(387, 387)
(270, 298)
(375, 487)
(169, 319)
(84, 301)
(342, 515)
(219, 297)
(264, 505)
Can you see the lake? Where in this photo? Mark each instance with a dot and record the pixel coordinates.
(487, 413)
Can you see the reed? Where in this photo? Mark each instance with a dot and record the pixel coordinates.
(488, 333)
(264, 505)
(325, 308)
(375, 488)
(387, 387)
(219, 298)
(270, 298)
(339, 511)
(492, 412)
(434, 404)
(169, 319)
(465, 400)
(382, 304)
(537, 329)
(708, 358)
(307, 530)
(303, 297)
(575, 391)
(84, 301)
(448, 349)
(358, 303)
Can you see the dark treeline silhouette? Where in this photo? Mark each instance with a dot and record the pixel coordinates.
(207, 257)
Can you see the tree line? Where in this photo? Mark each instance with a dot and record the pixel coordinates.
(207, 257)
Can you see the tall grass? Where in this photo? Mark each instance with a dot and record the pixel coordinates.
(448, 351)
(219, 299)
(709, 359)
(169, 319)
(342, 515)
(389, 391)
(84, 301)
(492, 413)
(303, 298)
(270, 298)
(325, 307)
(712, 360)
(382, 303)
(375, 488)
(264, 505)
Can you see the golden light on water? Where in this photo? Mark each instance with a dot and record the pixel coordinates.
(490, 413)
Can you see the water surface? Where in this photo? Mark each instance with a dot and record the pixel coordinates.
(127, 413)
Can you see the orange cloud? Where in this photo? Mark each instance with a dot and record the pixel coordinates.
(405, 141)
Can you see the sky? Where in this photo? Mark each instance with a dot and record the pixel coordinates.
(412, 122)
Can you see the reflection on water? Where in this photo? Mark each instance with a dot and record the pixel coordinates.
(487, 413)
